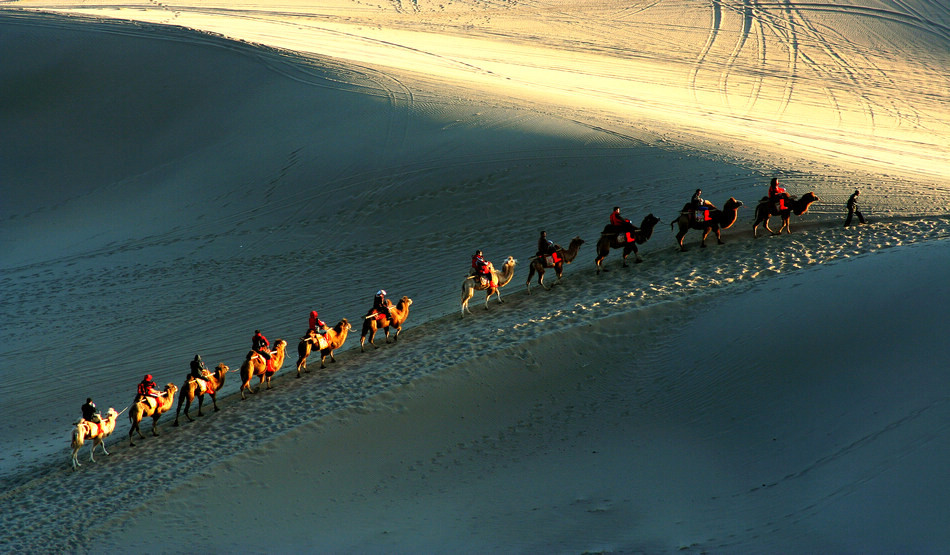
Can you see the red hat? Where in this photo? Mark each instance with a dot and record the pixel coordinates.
(148, 378)
(313, 313)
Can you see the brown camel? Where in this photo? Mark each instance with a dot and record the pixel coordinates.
(149, 407)
(195, 388)
(305, 347)
(766, 209)
(610, 239)
(371, 323)
(85, 429)
(499, 280)
(335, 338)
(716, 220)
(539, 263)
(255, 365)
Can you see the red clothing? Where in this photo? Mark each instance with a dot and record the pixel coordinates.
(776, 189)
(316, 322)
(259, 342)
(615, 218)
(147, 388)
(478, 262)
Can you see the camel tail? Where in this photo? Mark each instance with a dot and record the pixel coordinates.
(79, 437)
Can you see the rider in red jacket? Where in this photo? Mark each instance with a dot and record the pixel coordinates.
(776, 192)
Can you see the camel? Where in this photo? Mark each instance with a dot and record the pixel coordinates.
(765, 210)
(255, 365)
(142, 408)
(716, 221)
(371, 323)
(539, 263)
(85, 429)
(304, 348)
(610, 240)
(193, 388)
(335, 338)
(499, 280)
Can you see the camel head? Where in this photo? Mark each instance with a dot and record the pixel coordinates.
(576, 241)
(221, 368)
(405, 301)
(171, 388)
(646, 228)
(344, 325)
(806, 201)
(111, 413)
(733, 203)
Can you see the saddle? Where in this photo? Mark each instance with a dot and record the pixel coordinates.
(89, 427)
(778, 206)
(204, 386)
(268, 362)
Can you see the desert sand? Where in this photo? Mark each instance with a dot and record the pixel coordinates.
(176, 176)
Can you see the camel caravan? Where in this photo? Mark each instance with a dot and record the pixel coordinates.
(263, 363)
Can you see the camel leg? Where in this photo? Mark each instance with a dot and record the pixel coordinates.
(155, 426)
(135, 428)
(386, 331)
(396, 335)
(467, 295)
(92, 452)
(636, 254)
(74, 459)
(601, 255)
(201, 399)
(372, 338)
(184, 398)
(214, 401)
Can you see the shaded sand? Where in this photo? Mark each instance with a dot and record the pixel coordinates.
(649, 430)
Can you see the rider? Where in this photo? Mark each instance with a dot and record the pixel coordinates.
(380, 304)
(620, 224)
(198, 370)
(147, 389)
(698, 206)
(316, 324)
(480, 266)
(546, 247)
(91, 414)
(260, 345)
(777, 193)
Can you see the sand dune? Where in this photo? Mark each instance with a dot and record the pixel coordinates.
(168, 191)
